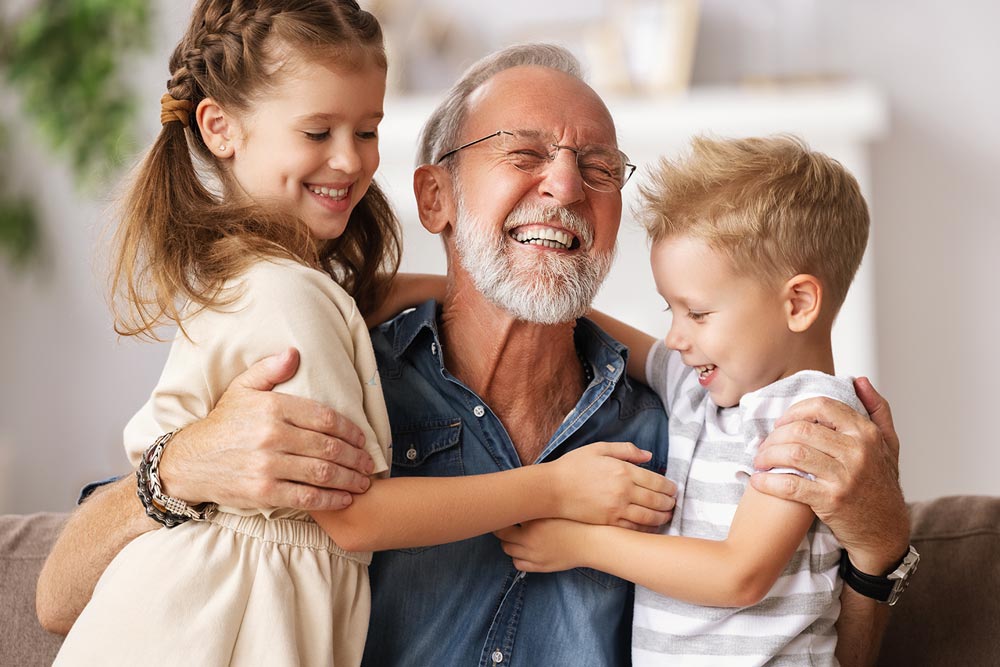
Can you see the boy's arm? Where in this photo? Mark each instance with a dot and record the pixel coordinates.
(735, 572)
(638, 342)
(407, 290)
(856, 492)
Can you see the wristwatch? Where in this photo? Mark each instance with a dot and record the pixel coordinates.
(885, 589)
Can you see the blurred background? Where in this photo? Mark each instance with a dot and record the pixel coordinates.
(905, 94)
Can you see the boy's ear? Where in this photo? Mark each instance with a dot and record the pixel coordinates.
(803, 299)
(217, 128)
(435, 193)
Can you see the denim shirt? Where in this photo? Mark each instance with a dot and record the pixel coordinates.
(464, 603)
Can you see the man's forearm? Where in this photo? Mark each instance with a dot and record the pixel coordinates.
(93, 536)
(860, 628)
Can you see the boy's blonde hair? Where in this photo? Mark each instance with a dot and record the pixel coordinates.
(775, 207)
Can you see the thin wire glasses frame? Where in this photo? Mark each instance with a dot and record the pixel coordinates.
(597, 176)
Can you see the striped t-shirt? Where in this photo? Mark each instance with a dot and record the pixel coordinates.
(710, 459)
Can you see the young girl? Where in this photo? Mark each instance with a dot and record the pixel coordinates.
(754, 245)
(281, 101)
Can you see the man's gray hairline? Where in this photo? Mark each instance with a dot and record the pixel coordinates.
(442, 129)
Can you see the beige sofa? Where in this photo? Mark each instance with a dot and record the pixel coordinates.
(949, 616)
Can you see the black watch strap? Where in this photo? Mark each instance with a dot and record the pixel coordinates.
(886, 588)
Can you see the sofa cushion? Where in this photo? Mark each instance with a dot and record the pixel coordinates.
(950, 614)
(25, 541)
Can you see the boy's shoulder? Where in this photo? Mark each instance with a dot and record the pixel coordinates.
(805, 385)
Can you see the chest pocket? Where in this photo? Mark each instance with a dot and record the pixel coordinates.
(428, 449)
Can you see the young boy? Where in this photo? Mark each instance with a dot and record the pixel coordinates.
(754, 245)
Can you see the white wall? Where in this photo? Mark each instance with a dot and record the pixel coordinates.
(69, 386)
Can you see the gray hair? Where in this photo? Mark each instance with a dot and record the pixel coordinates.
(440, 132)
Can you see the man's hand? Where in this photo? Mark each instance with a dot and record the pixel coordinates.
(259, 448)
(601, 484)
(855, 462)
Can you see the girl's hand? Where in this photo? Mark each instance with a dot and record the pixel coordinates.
(545, 545)
(601, 484)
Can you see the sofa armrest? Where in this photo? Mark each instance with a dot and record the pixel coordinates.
(25, 542)
(950, 614)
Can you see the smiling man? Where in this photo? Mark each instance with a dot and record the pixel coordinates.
(520, 173)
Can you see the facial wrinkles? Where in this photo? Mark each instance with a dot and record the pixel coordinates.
(546, 287)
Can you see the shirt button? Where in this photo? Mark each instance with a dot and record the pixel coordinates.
(434, 348)
(497, 657)
(479, 411)
(411, 453)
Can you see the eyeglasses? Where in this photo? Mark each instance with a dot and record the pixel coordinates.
(602, 168)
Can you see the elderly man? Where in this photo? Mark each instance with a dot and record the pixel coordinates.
(521, 175)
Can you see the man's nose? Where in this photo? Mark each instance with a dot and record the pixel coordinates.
(562, 179)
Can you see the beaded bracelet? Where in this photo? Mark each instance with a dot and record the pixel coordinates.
(160, 507)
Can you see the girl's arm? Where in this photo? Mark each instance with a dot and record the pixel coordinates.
(638, 343)
(594, 484)
(407, 290)
(735, 572)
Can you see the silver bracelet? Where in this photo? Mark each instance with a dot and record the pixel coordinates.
(160, 507)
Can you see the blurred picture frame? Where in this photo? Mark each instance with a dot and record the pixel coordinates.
(645, 47)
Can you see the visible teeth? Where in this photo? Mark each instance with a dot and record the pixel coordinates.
(328, 192)
(703, 371)
(547, 237)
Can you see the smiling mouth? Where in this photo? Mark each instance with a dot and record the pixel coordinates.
(704, 371)
(546, 237)
(329, 193)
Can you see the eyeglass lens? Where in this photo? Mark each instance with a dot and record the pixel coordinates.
(601, 167)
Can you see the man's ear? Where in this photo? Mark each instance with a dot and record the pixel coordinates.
(434, 190)
(217, 129)
(803, 301)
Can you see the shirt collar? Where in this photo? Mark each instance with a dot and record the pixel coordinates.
(607, 355)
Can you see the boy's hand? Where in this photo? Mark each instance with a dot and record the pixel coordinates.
(601, 484)
(545, 545)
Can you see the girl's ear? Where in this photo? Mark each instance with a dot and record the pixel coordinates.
(803, 300)
(435, 194)
(217, 129)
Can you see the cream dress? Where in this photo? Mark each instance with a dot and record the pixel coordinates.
(248, 586)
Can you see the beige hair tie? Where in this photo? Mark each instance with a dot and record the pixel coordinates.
(174, 110)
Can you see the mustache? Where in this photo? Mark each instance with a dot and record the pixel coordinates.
(528, 214)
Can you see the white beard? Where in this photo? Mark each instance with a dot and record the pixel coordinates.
(548, 287)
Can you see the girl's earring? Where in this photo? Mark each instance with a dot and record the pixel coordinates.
(222, 148)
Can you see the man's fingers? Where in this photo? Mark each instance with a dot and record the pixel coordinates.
(320, 474)
(269, 371)
(879, 411)
(827, 412)
(790, 487)
(309, 498)
(305, 413)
